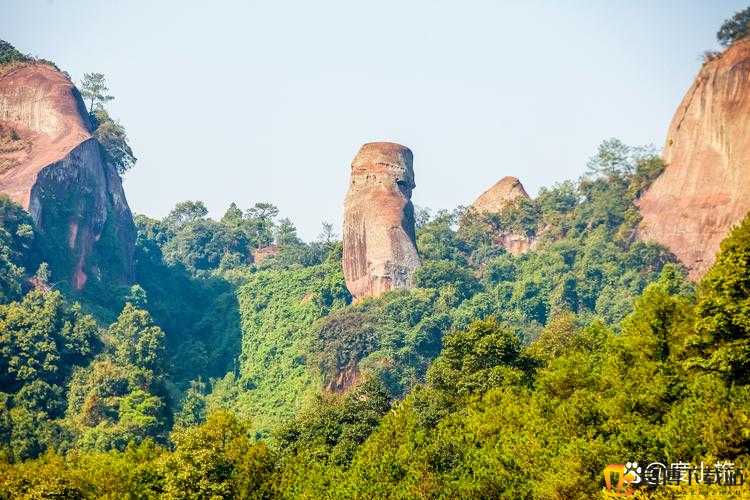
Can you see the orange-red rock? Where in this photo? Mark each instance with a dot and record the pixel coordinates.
(705, 188)
(501, 195)
(263, 253)
(59, 176)
(379, 252)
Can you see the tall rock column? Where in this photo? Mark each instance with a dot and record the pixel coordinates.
(705, 188)
(380, 253)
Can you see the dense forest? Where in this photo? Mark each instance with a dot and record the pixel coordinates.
(237, 364)
(218, 376)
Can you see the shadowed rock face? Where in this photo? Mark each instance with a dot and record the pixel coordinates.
(494, 200)
(379, 242)
(705, 188)
(57, 173)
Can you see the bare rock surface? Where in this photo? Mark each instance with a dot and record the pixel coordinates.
(705, 188)
(57, 173)
(379, 252)
(501, 195)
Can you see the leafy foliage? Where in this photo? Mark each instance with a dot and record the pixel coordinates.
(113, 140)
(591, 348)
(41, 342)
(276, 307)
(94, 88)
(9, 54)
(18, 249)
(734, 28)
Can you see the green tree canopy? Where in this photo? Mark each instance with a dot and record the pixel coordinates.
(94, 89)
(114, 141)
(734, 28)
(723, 310)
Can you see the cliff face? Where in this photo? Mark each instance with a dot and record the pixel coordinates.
(705, 188)
(57, 173)
(505, 191)
(380, 253)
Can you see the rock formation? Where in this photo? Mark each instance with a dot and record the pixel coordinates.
(705, 188)
(57, 173)
(380, 253)
(501, 195)
(263, 253)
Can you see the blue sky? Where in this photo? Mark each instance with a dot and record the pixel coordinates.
(269, 101)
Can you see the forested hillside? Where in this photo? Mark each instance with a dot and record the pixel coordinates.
(228, 358)
(228, 376)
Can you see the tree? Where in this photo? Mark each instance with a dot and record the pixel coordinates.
(327, 234)
(94, 88)
(486, 354)
(137, 296)
(114, 141)
(9, 54)
(261, 224)
(41, 339)
(216, 460)
(136, 340)
(18, 251)
(264, 211)
(193, 408)
(204, 243)
(286, 234)
(185, 212)
(723, 310)
(333, 427)
(233, 216)
(734, 28)
(42, 273)
(442, 273)
(612, 158)
(111, 404)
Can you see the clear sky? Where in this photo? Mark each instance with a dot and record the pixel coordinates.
(269, 101)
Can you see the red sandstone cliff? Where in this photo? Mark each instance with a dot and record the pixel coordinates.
(501, 195)
(57, 173)
(705, 188)
(379, 242)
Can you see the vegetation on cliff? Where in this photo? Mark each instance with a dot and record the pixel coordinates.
(220, 374)
(735, 28)
(495, 415)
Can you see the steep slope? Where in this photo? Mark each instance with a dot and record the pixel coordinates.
(379, 240)
(705, 188)
(57, 173)
(500, 196)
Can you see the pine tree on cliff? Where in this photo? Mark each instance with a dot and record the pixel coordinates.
(94, 89)
(110, 133)
(734, 28)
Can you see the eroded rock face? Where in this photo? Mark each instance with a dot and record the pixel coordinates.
(499, 196)
(379, 252)
(57, 173)
(505, 192)
(705, 188)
